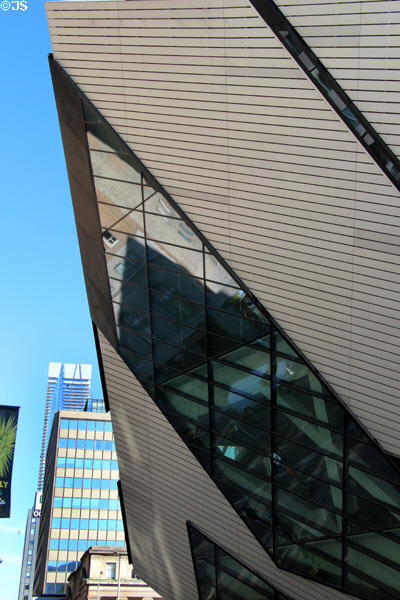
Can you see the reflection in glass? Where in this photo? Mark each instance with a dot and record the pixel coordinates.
(171, 231)
(241, 407)
(118, 193)
(158, 204)
(176, 358)
(190, 385)
(133, 249)
(109, 216)
(385, 576)
(288, 529)
(242, 483)
(307, 480)
(236, 327)
(235, 301)
(242, 433)
(191, 433)
(303, 432)
(178, 309)
(242, 382)
(127, 272)
(249, 358)
(137, 321)
(310, 406)
(179, 335)
(301, 558)
(299, 457)
(364, 456)
(128, 225)
(175, 283)
(116, 179)
(282, 346)
(182, 406)
(298, 375)
(367, 515)
(309, 513)
(174, 257)
(221, 577)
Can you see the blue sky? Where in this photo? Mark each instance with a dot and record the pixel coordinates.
(43, 301)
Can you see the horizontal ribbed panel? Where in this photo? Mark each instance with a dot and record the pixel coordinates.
(359, 43)
(164, 486)
(223, 117)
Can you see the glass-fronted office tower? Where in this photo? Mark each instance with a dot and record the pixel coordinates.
(80, 497)
(68, 387)
(235, 177)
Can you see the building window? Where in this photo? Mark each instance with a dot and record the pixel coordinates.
(216, 568)
(110, 570)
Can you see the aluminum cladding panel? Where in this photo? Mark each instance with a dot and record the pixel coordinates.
(228, 123)
(359, 43)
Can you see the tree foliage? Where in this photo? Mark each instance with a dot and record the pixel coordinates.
(8, 429)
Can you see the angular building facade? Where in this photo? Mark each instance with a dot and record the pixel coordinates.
(235, 179)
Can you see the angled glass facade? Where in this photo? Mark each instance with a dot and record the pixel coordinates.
(219, 576)
(307, 481)
(312, 485)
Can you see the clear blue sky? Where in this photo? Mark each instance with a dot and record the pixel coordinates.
(43, 303)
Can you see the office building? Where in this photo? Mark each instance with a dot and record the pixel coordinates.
(105, 573)
(68, 387)
(95, 405)
(30, 545)
(80, 497)
(235, 177)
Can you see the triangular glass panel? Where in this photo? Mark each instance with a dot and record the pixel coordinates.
(220, 576)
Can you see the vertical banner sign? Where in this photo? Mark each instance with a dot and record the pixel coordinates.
(8, 430)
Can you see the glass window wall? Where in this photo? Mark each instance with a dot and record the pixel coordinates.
(219, 576)
(304, 476)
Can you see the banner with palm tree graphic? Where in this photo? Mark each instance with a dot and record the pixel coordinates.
(8, 430)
